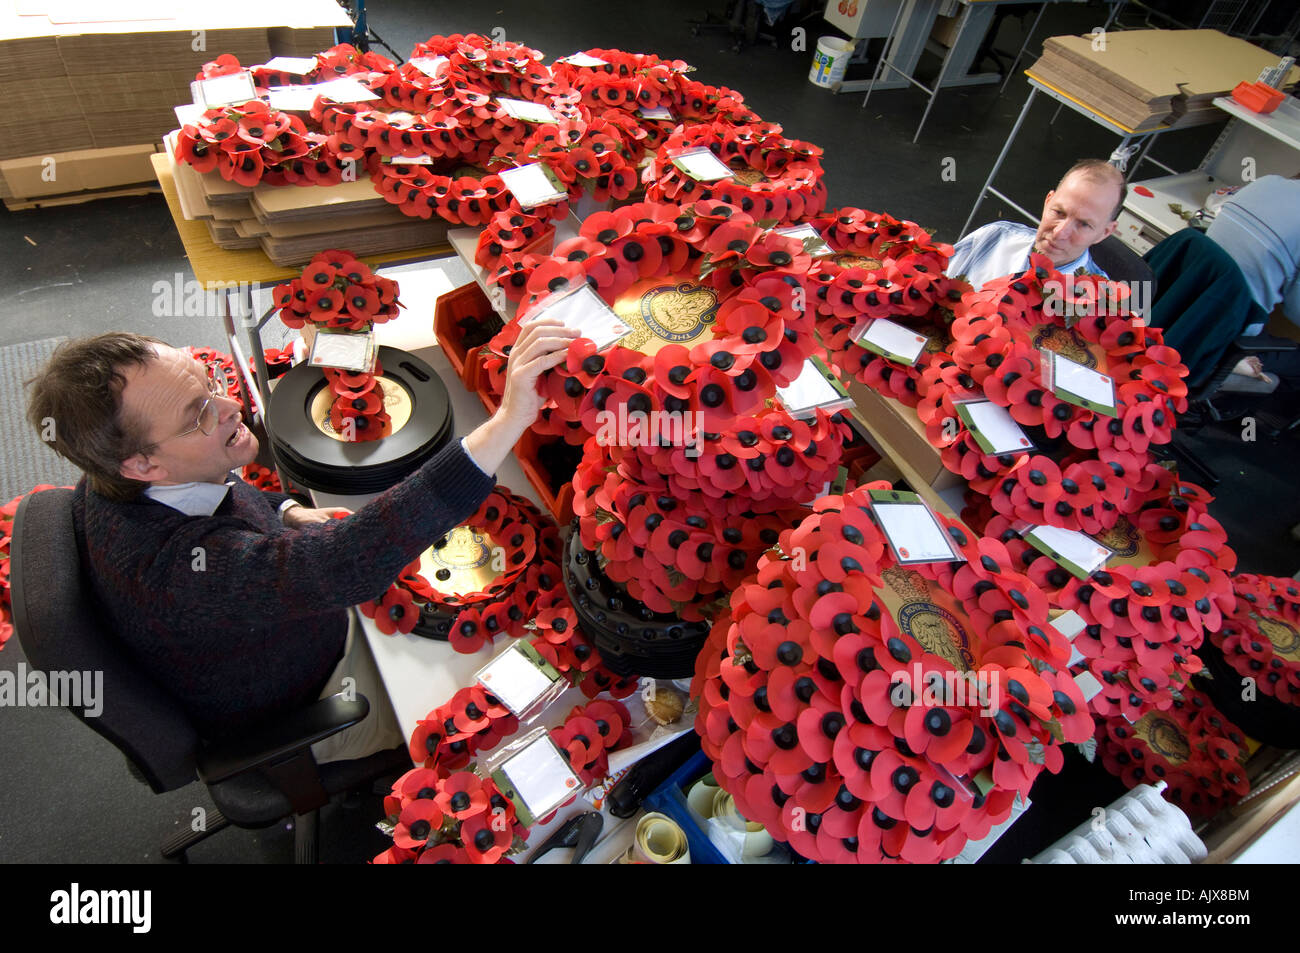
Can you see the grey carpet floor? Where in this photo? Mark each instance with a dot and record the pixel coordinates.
(25, 460)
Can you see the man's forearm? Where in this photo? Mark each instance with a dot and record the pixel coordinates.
(491, 442)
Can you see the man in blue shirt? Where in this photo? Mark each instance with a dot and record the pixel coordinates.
(1077, 214)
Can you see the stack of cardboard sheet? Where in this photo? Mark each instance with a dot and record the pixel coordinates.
(1146, 79)
(78, 75)
(291, 223)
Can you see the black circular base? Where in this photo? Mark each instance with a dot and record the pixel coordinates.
(631, 638)
(1264, 718)
(320, 462)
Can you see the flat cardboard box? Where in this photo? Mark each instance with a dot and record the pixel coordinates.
(18, 140)
(304, 41)
(78, 171)
(902, 437)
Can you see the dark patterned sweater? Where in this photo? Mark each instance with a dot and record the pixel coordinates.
(240, 617)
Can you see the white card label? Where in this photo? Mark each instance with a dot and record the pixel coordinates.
(655, 112)
(914, 533)
(514, 679)
(1082, 381)
(528, 112)
(1070, 546)
(541, 776)
(582, 59)
(188, 113)
(804, 232)
(293, 65)
(701, 165)
(995, 424)
(411, 160)
(531, 185)
(587, 311)
(894, 339)
(226, 90)
(350, 351)
(345, 89)
(428, 65)
(811, 389)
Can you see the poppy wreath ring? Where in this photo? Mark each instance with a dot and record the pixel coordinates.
(813, 701)
(1258, 637)
(513, 538)
(759, 338)
(1143, 621)
(1108, 469)
(888, 269)
(780, 180)
(252, 143)
(1192, 747)
(444, 815)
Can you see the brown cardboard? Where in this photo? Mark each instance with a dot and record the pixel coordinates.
(78, 171)
(307, 41)
(901, 436)
(37, 139)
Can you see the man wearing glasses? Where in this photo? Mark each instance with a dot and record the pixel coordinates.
(236, 600)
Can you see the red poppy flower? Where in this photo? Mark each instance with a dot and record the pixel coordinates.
(485, 838)
(419, 820)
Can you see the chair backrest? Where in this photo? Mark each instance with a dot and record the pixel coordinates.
(1121, 263)
(60, 628)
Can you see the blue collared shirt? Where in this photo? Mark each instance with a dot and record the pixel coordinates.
(1002, 248)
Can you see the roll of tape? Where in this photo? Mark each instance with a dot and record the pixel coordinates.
(660, 841)
(702, 794)
(756, 841)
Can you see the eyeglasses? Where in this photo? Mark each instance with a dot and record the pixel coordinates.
(209, 413)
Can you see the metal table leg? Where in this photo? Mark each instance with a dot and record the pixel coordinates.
(1033, 91)
(1023, 46)
(947, 64)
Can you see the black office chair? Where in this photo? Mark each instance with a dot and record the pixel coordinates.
(1121, 263)
(256, 780)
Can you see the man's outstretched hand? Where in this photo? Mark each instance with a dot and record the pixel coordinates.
(541, 345)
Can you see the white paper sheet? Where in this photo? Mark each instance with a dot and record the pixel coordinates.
(531, 186)
(997, 426)
(702, 165)
(226, 90)
(914, 532)
(803, 233)
(582, 59)
(1083, 381)
(293, 65)
(514, 679)
(809, 390)
(1080, 549)
(655, 112)
(541, 776)
(588, 312)
(528, 112)
(428, 65)
(895, 339)
(340, 350)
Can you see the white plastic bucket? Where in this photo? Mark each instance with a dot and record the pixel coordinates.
(830, 60)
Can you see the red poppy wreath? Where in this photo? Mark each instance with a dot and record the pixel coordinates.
(774, 179)
(1191, 746)
(870, 712)
(1259, 634)
(1145, 613)
(1088, 468)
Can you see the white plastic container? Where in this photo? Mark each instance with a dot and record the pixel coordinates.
(830, 60)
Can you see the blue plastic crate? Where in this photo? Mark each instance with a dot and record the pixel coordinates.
(670, 799)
